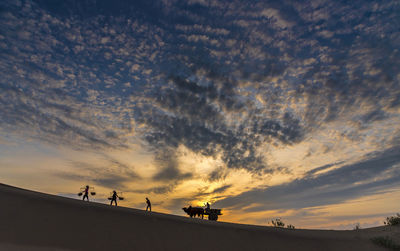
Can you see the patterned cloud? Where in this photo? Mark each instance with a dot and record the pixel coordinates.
(235, 81)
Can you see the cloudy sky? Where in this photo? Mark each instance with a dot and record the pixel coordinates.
(264, 108)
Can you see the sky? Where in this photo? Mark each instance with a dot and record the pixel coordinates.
(266, 109)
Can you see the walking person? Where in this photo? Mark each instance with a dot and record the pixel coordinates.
(148, 204)
(86, 195)
(114, 198)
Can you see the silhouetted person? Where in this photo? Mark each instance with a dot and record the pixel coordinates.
(148, 204)
(208, 206)
(86, 195)
(114, 198)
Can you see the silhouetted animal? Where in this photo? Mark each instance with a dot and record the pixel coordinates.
(193, 211)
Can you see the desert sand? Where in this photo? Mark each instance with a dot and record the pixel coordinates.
(37, 221)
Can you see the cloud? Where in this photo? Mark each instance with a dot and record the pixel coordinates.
(170, 122)
(226, 79)
(169, 170)
(164, 189)
(113, 175)
(221, 189)
(374, 174)
(53, 120)
(47, 78)
(218, 174)
(168, 173)
(372, 116)
(322, 168)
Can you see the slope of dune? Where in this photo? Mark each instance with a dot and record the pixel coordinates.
(37, 221)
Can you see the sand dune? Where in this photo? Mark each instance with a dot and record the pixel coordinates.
(37, 221)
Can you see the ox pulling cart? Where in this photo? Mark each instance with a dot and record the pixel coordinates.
(199, 211)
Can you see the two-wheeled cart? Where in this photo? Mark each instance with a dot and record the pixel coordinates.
(212, 213)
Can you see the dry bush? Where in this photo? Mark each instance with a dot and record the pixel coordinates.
(393, 220)
(279, 223)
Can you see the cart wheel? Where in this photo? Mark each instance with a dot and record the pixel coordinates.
(213, 217)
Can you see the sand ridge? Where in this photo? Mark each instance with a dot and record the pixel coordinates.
(37, 221)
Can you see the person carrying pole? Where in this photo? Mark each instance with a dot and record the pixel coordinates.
(114, 198)
(86, 193)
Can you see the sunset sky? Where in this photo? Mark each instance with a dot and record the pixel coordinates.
(265, 109)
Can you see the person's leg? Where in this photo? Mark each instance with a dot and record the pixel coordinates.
(150, 208)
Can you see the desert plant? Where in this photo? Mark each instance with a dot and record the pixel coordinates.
(386, 242)
(393, 220)
(277, 223)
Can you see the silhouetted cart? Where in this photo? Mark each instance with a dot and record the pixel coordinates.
(212, 213)
(200, 212)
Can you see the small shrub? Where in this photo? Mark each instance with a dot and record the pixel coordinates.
(393, 220)
(386, 242)
(277, 223)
